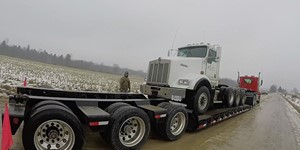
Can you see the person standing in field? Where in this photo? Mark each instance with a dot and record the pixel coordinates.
(125, 83)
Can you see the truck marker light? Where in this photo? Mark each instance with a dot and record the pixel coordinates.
(160, 116)
(100, 123)
(202, 126)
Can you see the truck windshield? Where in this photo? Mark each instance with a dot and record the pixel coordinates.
(192, 52)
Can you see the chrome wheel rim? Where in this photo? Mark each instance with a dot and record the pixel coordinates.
(202, 101)
(132, 131)
(177, 123)
(54, 134)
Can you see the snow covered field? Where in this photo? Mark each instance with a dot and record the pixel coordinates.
(13, 72)
(294, 100)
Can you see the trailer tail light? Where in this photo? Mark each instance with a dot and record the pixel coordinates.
(160, 116)
(98, 123)
(16, 121)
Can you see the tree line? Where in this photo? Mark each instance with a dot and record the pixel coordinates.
(49, 58)
(274, 88)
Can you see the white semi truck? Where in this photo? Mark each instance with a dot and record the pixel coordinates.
(192, 78)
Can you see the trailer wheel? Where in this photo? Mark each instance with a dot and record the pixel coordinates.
(129, 128)
(242, 97)
(228, 97)
(164, 104)
(175, 124)
(53, 127)
(40, 104)
(237, 94)
(201, 101)
(113, 107)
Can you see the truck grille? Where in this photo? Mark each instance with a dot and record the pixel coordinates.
(158, 72)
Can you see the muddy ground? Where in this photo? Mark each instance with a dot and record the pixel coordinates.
(272, 125)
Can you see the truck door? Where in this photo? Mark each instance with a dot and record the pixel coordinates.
(211, 67)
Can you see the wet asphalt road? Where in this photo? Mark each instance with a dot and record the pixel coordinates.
(272, 125)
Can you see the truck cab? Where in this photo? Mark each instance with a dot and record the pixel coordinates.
(179, 77)
(252, 86)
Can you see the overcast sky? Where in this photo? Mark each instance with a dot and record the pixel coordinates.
(256, 35)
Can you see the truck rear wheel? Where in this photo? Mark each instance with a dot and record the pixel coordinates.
(242, 97)
(53, 127)
(228, 97)
(201, 101)
(175, 124)
(237, 94)
(129, 128)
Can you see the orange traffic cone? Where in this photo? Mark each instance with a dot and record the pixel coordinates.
(25, 82)
(7, 140)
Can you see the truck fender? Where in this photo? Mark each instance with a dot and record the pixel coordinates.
(202, 82)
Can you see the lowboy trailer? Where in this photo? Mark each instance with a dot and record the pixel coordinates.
(54, 119)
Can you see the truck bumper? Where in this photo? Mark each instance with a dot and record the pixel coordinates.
(175, 94)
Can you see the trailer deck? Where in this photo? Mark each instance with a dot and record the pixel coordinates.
(213, 116)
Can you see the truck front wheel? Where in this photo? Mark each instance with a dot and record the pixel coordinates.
(201, 101)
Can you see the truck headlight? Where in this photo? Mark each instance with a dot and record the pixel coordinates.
(183, 81)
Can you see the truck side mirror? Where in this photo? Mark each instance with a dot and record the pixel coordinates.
(262, 81)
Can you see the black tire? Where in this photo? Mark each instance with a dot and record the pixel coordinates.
(113, 107)
(56, 121)
(40, 104)
(164, 104)
(258, 99)
(132, 118)
(243, 97)
(201, 101)
(254, 100)
(221, 94)
(228, 97)
(236, 101)
(177, 116)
